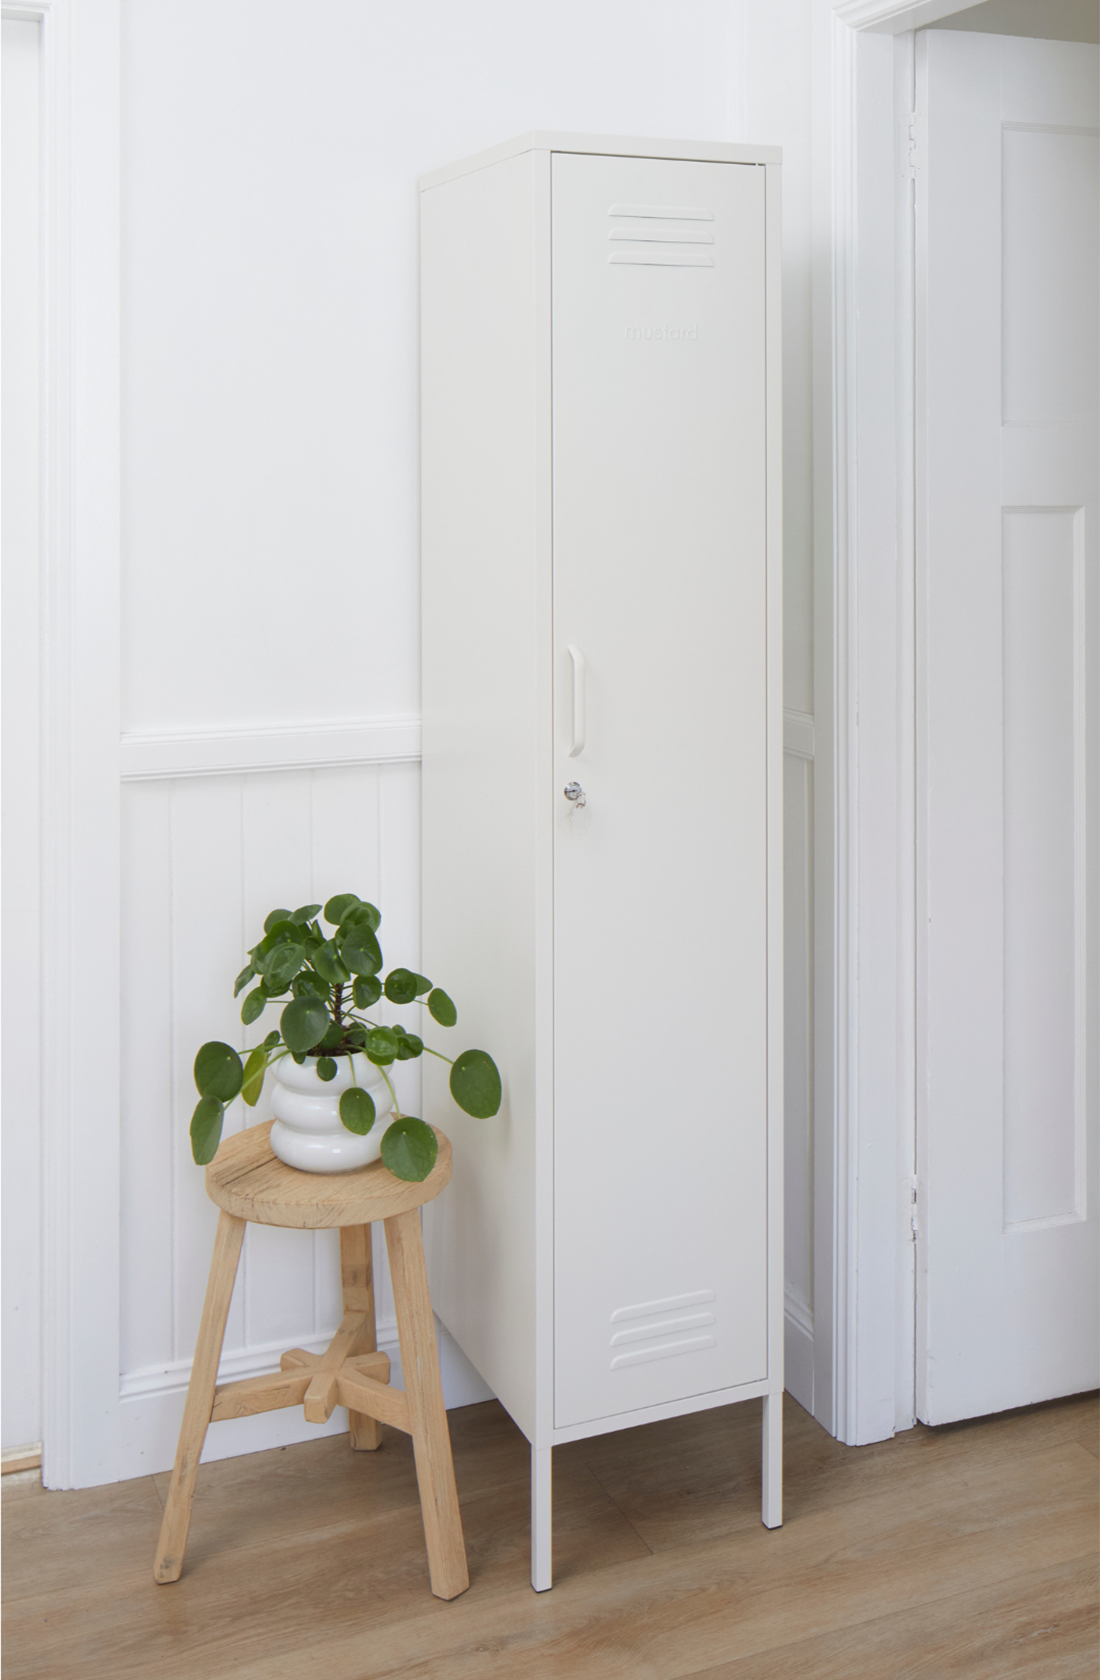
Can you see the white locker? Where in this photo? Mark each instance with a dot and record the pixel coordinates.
(602, 613)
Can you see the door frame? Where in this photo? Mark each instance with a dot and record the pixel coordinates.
(866, 1192)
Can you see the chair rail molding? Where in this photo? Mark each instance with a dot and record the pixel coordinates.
(79, 915)
(284, 746)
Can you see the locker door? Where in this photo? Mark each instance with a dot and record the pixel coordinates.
(660, 1026)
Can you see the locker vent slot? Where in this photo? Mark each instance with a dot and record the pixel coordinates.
(660, 1326)
(661, 235)
(661, 1350)
(671, 1303)
(667, 258)
(656, 233)
(663, 212)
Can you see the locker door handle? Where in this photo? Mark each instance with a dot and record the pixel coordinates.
(577, 657)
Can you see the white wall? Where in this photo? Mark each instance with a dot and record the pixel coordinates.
(22, 1268)
(269, 525)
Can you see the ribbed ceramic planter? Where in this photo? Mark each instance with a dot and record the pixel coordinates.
(308, 1133)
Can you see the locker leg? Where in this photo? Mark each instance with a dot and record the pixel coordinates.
(542, 1530)
(772, 1480)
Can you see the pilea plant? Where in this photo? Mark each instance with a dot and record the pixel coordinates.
(333, 981)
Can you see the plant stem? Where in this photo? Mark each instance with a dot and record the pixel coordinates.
(396, 1111)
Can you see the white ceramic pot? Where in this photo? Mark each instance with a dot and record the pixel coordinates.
(307, 1131)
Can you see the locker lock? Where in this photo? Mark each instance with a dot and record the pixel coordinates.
(573, 791)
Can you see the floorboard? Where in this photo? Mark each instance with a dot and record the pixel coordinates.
(968, 1550)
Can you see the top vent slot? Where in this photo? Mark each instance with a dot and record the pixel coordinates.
(664, 212)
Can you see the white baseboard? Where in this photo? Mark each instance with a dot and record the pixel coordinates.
(798, 1351)
(152, 1404)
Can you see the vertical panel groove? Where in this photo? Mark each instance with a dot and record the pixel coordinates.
(172, 1117)
(1080, 866)
(243, 1289)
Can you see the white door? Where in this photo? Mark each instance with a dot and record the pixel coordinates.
(660, 884)
(1007, 722)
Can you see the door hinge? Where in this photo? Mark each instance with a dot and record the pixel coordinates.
(914, 1217)
(913, 145)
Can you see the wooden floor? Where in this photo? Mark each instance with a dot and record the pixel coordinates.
(969, 1550)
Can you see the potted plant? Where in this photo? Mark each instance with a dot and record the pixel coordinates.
(329, 1058)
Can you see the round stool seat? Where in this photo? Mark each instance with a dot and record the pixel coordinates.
(247, 1179)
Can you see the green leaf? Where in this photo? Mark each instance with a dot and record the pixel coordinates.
(334, 1035)
(382, 1046)
(357, 1110)
(305, 914)
(408, 1046)
(328, 964)
(275, 917)
(253, 1006)
(360, 950)
(284, 964)
(366, 991)
(409, 1149)
(206, 1129)
(475, 1084)
(242, 979)
(283, 933)
(360, 915)
(336, 907)
(303, 1024)
(441, 1008)
(308, 984)
(402, 985)
(273, 988)
(218, 1072)
(326, 1068)
(254, 1070)
(272, 1039)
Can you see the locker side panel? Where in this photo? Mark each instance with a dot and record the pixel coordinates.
(483, 686)
(661, 880)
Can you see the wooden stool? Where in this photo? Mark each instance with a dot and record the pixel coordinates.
(247, 1181)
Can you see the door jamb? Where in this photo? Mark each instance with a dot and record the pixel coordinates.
(866, 1212)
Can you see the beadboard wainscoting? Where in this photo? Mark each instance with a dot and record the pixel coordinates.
(210, 843)
(798, 1026)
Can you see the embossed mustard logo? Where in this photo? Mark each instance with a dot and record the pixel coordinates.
(662, 332)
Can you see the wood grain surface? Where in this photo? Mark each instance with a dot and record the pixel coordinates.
(250, 1182)
(960, 1553)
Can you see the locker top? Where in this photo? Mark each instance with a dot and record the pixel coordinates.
(605, 145)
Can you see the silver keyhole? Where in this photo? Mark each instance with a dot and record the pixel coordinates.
(573, 791)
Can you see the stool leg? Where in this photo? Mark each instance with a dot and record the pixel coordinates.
(427, 1415)
(357, 1278)
(200, 1398)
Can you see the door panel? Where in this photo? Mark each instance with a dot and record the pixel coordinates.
(1007, 710)
(660, 880)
